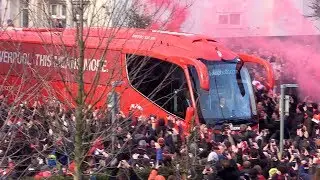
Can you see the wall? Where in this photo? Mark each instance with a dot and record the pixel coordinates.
(96, 14)
(10, 10)
(257, 18)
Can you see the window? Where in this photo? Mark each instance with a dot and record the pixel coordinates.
(235, 19)
(58, 14)
(25, 13)
(162, 82)
(63, 10)
(54, 9)
(230, 97)
(223, 19)
(25, 18)
(108, 11)
(59, 10)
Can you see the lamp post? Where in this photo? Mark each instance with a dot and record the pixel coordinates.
(284, 111)
(113, 103)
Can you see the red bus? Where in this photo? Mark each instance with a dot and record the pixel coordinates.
(164, 73)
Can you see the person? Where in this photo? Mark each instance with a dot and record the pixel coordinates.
(154, 175)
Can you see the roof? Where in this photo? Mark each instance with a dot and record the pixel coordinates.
(128, 40)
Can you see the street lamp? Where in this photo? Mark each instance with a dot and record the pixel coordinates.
(284, 110)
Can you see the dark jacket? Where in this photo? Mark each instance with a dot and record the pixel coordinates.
(169, 142)
(229, 173)
(132, 174)
(298, 119)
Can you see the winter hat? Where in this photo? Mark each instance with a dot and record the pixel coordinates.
(272, 171)
(142, 143)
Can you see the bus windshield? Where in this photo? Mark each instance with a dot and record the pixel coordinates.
(230, 98)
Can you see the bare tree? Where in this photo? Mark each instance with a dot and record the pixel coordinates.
(67, 121)
(137, 20)
(315, 6)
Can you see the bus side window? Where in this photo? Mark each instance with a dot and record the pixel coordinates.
(162, 82)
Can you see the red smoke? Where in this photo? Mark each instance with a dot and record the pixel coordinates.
(300, 58)
(166, 14)
(258, 18)
(300, 54)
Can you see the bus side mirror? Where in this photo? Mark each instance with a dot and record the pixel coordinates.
(189, 115)
(264, 63)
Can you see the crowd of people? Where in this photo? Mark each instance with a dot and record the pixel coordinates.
(38, 140)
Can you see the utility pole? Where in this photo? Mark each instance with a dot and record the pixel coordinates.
(284, 111)
(113, 102)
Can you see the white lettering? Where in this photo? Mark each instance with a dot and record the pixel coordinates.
(219, 72)
(5, 57)
(76, 64)
(48, 61)
(101, 65)
(27, 58)
(172, 33)
(139, 36)
(42, 60)
(37, 59)
(104, 68)
(10, 58)
(55, 61)
(93, 65)
(15, 57)
(6, 88)
(86, 65)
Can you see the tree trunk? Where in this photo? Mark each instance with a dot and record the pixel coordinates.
(80, 97)
(78, 141)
